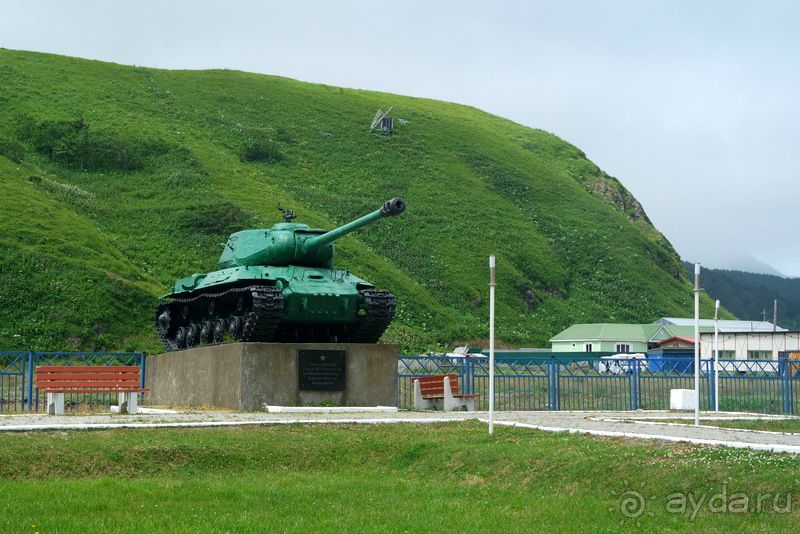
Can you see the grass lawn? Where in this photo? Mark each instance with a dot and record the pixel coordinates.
(368, 478)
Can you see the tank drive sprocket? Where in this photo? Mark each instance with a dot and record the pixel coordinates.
(249, 313)
(380, 307)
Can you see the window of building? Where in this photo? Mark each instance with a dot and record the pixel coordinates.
(623, 347)
(759, 354)
(587, 347)
(727, 355)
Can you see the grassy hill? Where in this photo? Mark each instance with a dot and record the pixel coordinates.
(747, 294)
(116, 180)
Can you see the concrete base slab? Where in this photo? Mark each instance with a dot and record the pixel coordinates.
(331, 409)
(250, 376)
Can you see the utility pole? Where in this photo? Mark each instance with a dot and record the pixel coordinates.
(716, 356)
(491, 345)
(775, 315)
(697, 344)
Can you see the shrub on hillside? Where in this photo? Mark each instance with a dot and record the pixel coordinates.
(260, 150)
(73, 144)
(220, 219)
(12, 150)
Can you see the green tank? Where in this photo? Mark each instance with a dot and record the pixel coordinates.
(278, 284)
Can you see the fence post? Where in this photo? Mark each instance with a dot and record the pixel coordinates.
(787, 386)
(635, 385)
(466, 374)
(29, 380)
(552, 383)
(712, 392)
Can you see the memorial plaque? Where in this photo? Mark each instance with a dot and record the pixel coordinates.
(321, 370)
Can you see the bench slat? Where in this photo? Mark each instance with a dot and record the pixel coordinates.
(87, 383)
(87, 368)
(95, 391)
(79, 376)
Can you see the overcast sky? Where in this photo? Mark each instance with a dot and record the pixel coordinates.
(693, 105)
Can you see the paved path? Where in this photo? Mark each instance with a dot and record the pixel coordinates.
(621, 424)
(611, 424)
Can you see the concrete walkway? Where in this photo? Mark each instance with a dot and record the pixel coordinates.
(644, 425)
(632, 425)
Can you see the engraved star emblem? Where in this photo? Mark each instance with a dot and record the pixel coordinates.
(322, 358)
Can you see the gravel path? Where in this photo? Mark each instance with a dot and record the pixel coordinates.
(635, 425)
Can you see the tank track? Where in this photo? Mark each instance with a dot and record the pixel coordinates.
(380, 307)
(253, 313)
(250, 313)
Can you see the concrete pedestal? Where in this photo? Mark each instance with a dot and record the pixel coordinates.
(248, 376)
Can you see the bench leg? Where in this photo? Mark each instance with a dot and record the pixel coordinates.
(128, 402)
(469, 404)
(419, 402)
(450, 403)
(133, 400)
(55, 403)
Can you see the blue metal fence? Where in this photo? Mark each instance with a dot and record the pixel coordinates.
(548, 383)
(17, 369)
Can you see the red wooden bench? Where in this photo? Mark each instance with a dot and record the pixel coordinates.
(56, 380)
(441, 392)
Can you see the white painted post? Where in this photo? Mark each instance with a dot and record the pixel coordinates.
(697, 343)
(491, 344)
(716, 356)
(55, 403)
(133, 401)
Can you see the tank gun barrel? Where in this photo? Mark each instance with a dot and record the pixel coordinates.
(390, 208)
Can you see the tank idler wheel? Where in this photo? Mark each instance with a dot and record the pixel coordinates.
(206, 332)
(164, 320)
(180, 337)
(218, 331)
(186, 311)
(235, 325)
(212, 307)
(192, 335)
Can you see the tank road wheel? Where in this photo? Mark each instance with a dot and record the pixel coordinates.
(235, 324)
(206, 330)
(218, 331)
(180, 337)
(192, 335)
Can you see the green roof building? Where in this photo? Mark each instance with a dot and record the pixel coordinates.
(612, 337)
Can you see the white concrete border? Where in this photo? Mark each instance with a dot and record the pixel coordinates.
(689, 424)
(330, 409)
(772, 447)
(190, 424)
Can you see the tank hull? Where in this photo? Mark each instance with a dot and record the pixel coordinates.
(265, 303)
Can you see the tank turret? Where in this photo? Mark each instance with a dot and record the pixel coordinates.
(279, 284)
(291, 243)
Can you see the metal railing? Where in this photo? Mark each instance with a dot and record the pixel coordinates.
(549, 383)
(18, 392)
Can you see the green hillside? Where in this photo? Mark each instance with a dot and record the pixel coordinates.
(116, 180)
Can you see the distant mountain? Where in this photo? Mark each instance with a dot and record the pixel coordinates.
(744, 263)
(747, 295)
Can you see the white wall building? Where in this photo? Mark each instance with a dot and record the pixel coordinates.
(750, 345)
